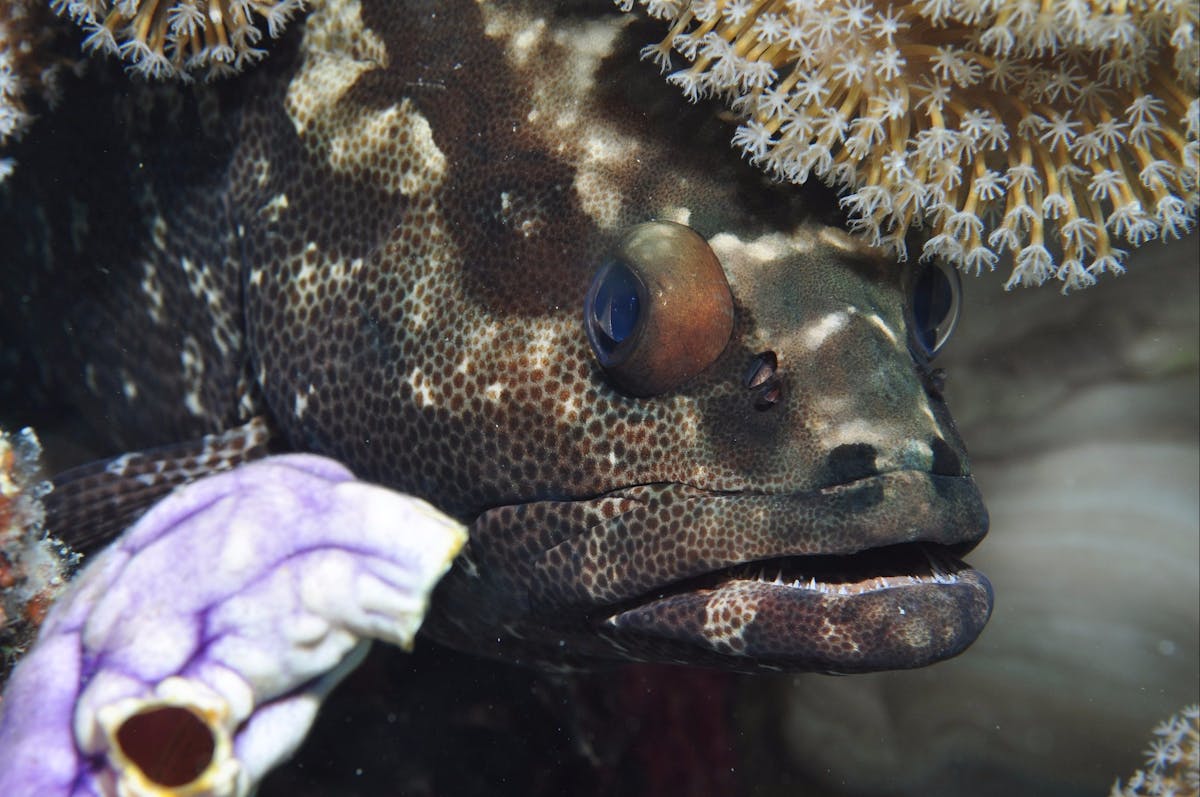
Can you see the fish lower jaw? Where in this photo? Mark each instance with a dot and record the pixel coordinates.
(895, 607)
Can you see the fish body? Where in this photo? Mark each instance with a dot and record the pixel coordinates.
(396, 243)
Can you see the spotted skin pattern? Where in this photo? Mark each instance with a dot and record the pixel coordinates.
(418, 196)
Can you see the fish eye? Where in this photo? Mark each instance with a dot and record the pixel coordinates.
(613, 306)
(935, 298)
(659, 310)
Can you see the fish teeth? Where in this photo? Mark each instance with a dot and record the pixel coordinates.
(938, 574)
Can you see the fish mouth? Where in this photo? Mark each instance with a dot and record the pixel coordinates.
(855, 577)
(851, 577)
(894, 607)
(890, 567)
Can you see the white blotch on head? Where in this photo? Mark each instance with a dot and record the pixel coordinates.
(542, 348)
(158, 232)
(882, 326)
(826, 408)
(688, 430)
(875, 434)
(422, 388)
(766, 248)
(428, 161)
(311, 266)
(494, 392)
(568, 409)
(191, 360)
(274, 207)
(605, 158)
(561, 99)
(482, 335)
(192, 402)
(521, 222)
(816, 333)
(340, 50)
(300, 405)
(418, 310)
(153, 292)
(521, 45)
(260, 171)
(128, 386)
(679, 215)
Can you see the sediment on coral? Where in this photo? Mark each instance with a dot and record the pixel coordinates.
(1051, 133)
(180, 38)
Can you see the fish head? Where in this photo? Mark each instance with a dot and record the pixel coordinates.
(687, 417)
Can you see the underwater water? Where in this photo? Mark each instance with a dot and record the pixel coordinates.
(1080, 412)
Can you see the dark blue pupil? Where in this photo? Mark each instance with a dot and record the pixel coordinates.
(614, 307)
(932, 298)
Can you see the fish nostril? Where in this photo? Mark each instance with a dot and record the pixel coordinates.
(851, 462)
(769, 396)
(945, 461)
(762, 378)
(762, 368)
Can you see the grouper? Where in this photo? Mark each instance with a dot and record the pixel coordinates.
(479, 252)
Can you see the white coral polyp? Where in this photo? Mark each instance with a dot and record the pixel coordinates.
(210, 38)
(1001, 125)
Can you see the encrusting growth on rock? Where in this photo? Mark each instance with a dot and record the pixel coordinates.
(181, 38)
(1050, 131)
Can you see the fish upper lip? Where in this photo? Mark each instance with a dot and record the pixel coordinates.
(887, 567)
(849, 518)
